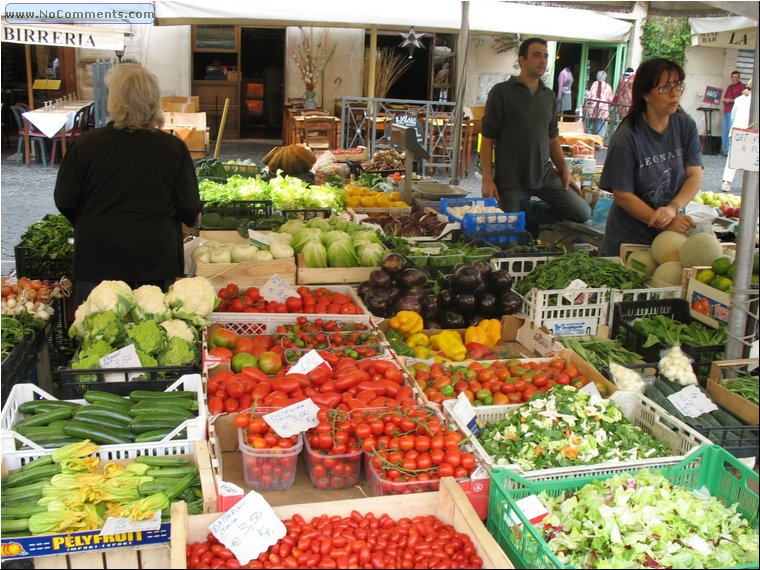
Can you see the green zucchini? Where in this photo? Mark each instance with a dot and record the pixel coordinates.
(170, 472)
(166, 412)
(29, 492)
(143, 423)
(38, 406)
(138, 395)
(109, 416)
(15, 525)
(726, 419)
(41, 431)
(99, 397)
(163, 460)
(21, 510)
(98, 434)
(35, 463)
(151, 488)
(158, 435)
(55, 443)
(43, 472)
(183, 403)
(45, 418)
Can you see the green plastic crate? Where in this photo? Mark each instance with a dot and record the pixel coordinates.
(710, 466)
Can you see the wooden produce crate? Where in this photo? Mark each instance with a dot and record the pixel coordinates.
(329, 275)
(706, 303)
(223, 236)
(247, 273)
(449, 504)
(734, 403)
(87, 549)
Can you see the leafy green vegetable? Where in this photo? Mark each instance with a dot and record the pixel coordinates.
(206, 167)
(341, 254)
(642, 520)
(599, 352)
(567, 427)
(315, 254)
(662, 329)
(51, 237)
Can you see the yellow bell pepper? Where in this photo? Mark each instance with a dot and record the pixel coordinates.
(407, 322)
(418, 339)
(423, 352)
(487, 332)
(450, 343)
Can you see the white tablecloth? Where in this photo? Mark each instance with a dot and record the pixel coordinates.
(51, 122)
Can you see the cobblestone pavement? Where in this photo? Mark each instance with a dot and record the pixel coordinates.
(27, 192)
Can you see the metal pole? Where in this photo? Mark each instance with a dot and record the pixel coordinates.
(462, 45)
(745, 245)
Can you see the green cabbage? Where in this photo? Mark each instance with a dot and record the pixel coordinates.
(342, 254)
(370, 254)
(302, 237)
(292, 227)
(320, 223)
(334, 236)
(315, 254)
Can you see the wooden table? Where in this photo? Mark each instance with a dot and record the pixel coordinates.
(51, 123)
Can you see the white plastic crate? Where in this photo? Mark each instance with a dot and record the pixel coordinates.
(567, 312)
(639, 410)
(271, 320)
(646, 294)
(519, 267)
(196, 428)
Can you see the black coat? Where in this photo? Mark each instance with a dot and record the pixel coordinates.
(126, 194)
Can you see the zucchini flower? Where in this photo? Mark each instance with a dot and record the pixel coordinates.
(76, 480)
(55, 521)
(120, 493)
(92, 517)
(74, 450)
(145, 507)
(75, 464)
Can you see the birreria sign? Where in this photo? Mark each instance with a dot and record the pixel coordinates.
(89, 37)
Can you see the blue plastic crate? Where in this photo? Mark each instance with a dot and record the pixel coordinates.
(495, 227)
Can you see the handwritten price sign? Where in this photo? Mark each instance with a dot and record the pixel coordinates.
(692, 402)
(744, 151)
(123, 358)
(277, 289)
(249, 528)
(294, 419)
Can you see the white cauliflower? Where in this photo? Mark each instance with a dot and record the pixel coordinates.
(179, 328)
(113, 296)
(149, 304)
(192, 299)
(77, 327)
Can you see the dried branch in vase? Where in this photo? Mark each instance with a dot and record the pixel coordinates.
(311, 55)
(389, 67)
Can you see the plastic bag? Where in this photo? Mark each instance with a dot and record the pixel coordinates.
(628, 379)
(675, 365)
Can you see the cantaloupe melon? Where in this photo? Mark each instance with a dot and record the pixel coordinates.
(642, 261)
(700, 249)
(667, 245)
(669, 272)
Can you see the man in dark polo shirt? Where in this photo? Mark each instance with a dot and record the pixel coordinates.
(520, 124)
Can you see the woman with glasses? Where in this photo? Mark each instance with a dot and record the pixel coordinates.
(654, 162)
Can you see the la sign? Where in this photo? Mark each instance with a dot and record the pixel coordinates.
(739, 39)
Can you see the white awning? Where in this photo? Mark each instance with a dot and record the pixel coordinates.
(63, 35)
(735, 32)
(486, 16)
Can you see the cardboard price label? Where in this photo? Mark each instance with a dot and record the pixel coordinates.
(277, 289)
(249, 528)
(119, 525)
(259, 240)
(123, 358)
(294, 419)
(466, 411)
(744, 150)
(692, 402)
(307, 363)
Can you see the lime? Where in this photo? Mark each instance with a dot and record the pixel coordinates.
(723, 283)
(730, 272)
(705, 275)
(755, 279)
(721, 265)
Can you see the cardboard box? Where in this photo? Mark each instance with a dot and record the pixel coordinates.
(175, 104)
(734, 403)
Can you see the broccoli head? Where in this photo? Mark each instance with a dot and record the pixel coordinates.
(90, 355)
(147, 336)
(146, 359)
(106, 326)
(177, 352)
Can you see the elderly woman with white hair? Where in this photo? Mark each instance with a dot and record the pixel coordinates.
(597, 108)
(127, 188)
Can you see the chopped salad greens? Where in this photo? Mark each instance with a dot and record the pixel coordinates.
(642, 520)
(567, 427)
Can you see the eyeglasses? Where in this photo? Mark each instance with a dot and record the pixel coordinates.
(668, 87)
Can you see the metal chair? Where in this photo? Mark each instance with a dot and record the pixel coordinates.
(35, 136)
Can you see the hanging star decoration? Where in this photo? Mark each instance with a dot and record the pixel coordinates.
(411, 40)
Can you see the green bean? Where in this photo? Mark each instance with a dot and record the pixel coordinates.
(745, 386)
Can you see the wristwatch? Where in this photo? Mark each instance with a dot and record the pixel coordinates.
(679, 209)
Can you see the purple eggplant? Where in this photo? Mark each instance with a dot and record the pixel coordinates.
(380, 279)
(379, 302)
(408, 303)
(412, 277)
(394, 263)
(445, 298)
(499, 281)
(466, 279)
(465, 303)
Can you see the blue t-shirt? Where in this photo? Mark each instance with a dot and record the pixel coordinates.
(652, 166)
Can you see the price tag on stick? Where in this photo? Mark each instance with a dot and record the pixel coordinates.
(249, 528)
(294, 419)
(277, 289)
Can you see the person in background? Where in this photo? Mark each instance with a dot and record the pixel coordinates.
(520, 124)
(565, 90)
(739, 120)
(599, 96)
(623, 94)
(654, 162)
(127, 188)
(732, 92)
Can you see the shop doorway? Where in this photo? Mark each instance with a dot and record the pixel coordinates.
(414, 82)
(568, 56)
(262, 64)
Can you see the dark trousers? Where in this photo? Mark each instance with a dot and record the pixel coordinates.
(554, 205)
